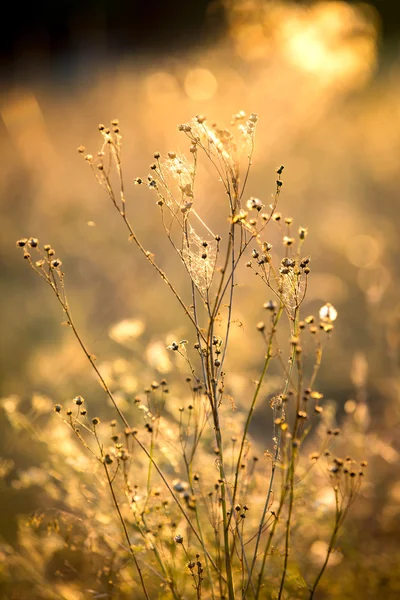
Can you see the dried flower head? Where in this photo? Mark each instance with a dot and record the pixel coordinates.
(328, 313)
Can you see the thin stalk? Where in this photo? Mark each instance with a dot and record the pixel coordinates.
(122, 520)
(287, 532)
(253, 403)
(285, 487)
(292, 466)
(190, 479)
(328, 553)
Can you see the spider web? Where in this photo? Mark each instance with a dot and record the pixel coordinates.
(201, 269)
(292, 289)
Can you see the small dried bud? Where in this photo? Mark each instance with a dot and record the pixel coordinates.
(21, 243)
(95, 421)
(33, 242)
(261, 326)
(302, 233)
(108, 460)
(288, 262)
(78, 400)
(270, 305)
(138, 181)
(56, 263)
(57, 408)
(288, 241)
(328, 313)
(254, 204)
(178, 539)
(304, 262)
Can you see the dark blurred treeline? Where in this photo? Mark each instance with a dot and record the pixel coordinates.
(39, 34)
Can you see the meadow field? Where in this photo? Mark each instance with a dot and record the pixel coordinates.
(200, 315)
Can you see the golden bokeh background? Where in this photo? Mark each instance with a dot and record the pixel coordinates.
(326, 89)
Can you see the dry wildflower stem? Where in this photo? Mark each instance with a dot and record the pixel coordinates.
(218, 530)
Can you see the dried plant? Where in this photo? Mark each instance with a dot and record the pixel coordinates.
(203, 512)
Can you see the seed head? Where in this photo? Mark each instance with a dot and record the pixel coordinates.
(288, 241)
(302, 233)
(178, 539)
(270, 305)
(328, 313)
(254, 204)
